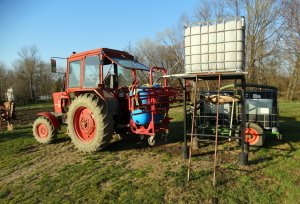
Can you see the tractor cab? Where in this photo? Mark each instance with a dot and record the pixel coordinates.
(99, 68)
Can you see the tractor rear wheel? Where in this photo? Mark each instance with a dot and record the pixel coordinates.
(43, 130)
(89, 124)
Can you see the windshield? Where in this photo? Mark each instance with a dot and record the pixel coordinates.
(122, 75)
(120, 69)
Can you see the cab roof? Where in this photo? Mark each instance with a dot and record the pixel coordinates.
(105, 51)
(121, 58)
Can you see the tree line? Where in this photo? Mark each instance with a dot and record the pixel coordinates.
(272, 49)
(30, 77)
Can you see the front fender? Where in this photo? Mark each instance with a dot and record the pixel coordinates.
(52, 118)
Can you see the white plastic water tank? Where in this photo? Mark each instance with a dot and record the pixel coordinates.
(215, 46)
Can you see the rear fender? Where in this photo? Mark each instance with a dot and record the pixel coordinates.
(52, 118)
(108, 97)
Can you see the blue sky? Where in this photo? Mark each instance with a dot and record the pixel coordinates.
(58, 27)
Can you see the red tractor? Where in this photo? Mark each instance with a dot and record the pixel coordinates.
(103, 96)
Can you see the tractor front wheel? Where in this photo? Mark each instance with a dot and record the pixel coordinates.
(43, 130)
(89, 124)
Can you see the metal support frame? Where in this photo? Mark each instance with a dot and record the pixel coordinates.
(217, 127)
(184, 148)
(243, 157)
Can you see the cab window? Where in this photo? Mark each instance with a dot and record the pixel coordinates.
(74, 74)
(91, 72)
(108, 70)
(124, 77)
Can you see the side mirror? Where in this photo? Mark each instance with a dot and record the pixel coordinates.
(53, 65)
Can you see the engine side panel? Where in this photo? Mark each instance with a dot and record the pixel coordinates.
(60, 100)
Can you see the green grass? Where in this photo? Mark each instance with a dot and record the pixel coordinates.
(34, 106)
(130, 172)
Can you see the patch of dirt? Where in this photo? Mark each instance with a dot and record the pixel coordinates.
(27, 116)
(173, 149)
(47, 159)
(157, 160)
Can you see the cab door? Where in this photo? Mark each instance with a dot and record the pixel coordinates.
(91, 71)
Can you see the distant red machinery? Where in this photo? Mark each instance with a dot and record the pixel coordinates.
(103, 95)
(7, 111)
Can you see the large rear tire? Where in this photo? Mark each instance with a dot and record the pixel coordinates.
(43, 130)
(89, 124)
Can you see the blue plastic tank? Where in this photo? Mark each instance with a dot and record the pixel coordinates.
(140, 117)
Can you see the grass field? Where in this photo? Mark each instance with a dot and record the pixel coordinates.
(129, 171)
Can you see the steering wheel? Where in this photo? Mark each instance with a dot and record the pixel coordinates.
(107, 79)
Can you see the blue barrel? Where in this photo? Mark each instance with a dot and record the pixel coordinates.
(140, 117)
(143, 118)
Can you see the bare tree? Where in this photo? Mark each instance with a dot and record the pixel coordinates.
(210, 9)
(174, 45)
(234, 6)
(263, 32)
(158, 53)
(2, 80)
(291, 13)
(27, 66)
(220, 10)
(43, 79)
(204, 11)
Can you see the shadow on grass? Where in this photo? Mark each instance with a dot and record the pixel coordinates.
(36, 146)
(61, 140)
(127, 144)
(132, 141)
(24, 127)
(282, 148)
(18, 132)
(289, 127)
(261, 160)
(28, 149)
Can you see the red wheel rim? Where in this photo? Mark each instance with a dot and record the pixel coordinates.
(252, 136)
(42, 130)
(84, 124)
